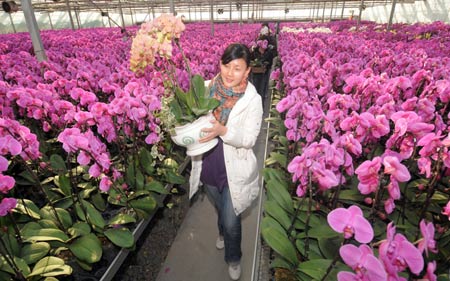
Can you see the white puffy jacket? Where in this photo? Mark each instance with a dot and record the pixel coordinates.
(243, 126)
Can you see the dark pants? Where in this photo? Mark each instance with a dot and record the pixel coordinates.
(229, 224)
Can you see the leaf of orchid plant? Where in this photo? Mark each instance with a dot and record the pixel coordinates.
(272, 209)
(57, 163)
(87, 248)
(329, 246)
(33, 252)
(63, 184)
(316, 268)
(276, 157)
(144, 206)
(10, 243)
(79, 229)
(279, 242)
(63, 215)
(277, 191)
(44, 234)
(27, 207)
(121, 237)
(278, 262)
(172, 177)
(146, 159)
(121, 219)
(93, 217)
(156, 186)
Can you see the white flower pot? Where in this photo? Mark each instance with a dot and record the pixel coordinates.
(189, 134)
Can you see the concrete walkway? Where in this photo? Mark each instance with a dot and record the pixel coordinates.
(193, 255)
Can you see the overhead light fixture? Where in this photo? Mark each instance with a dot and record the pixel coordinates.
(9, 7)
(220, 11)
(104, 14)
(286, 10)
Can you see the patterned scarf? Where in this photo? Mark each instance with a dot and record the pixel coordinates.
(226, 96)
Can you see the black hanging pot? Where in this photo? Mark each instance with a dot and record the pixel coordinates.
(9, 7)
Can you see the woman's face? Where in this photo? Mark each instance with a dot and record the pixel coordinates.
(234, 72)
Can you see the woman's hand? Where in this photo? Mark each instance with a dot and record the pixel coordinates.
(216, 130)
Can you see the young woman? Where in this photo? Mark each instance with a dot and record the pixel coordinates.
(229, 171)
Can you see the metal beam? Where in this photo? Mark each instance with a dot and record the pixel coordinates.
(33, 29)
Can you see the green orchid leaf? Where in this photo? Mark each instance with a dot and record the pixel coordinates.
(98, 201)
(316, 268)
(79, 229)
(278, 192)
(64, 217)
(144, 206)
(57, 163)
(27, 207)
(279, 242)
(87, 248)
(274, 210)
(121, 219)
(63, 182)
(121, 237)
(139, 180)
(146, 160)
(94, 217)
(280, 263)
(156, 186)
(11, 244)
(33, 252)
(276, 157)
(44, 234)
(330, 246)
(173, 177)
(322, 231)
(50, 266)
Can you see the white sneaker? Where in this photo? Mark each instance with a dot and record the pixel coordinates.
(220, 244)
(234, 271)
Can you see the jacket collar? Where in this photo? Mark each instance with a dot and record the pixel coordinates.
(244, 101)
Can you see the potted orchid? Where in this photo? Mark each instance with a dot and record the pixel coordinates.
(184, 112)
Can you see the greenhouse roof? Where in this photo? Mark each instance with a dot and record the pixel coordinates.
(185, 6)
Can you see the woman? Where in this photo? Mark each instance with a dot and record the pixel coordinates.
(229, 171)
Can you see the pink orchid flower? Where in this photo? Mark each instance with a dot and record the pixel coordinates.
(351, 222)
(446, 210)
(397, 254)
(368, 175)
(430, 276)
(362, 260)
(393, 167)
(427, 242)
(7, 205)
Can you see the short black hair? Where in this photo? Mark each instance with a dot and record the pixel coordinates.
(236, 51)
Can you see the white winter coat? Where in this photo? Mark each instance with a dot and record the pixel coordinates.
(243, 126)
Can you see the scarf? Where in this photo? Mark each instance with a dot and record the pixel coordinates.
(226, 96)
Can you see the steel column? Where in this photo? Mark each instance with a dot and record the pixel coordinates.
(391, 16)
(33, 29)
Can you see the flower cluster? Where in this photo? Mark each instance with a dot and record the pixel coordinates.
(154, 38)
(396, 253)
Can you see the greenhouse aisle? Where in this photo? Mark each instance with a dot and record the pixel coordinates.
(193, 255)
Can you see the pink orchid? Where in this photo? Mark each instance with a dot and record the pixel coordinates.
(8, 144)
(105, 184)
(427, 242)
(324, 177)
(6, 183)
(430, 276)
(3, 164)
(368, 175)
(424, 165)
(7, 205)
(362, 260)
(393, 167)
(397, 253)
(389, 205)
(446, 210)
(351, 222)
